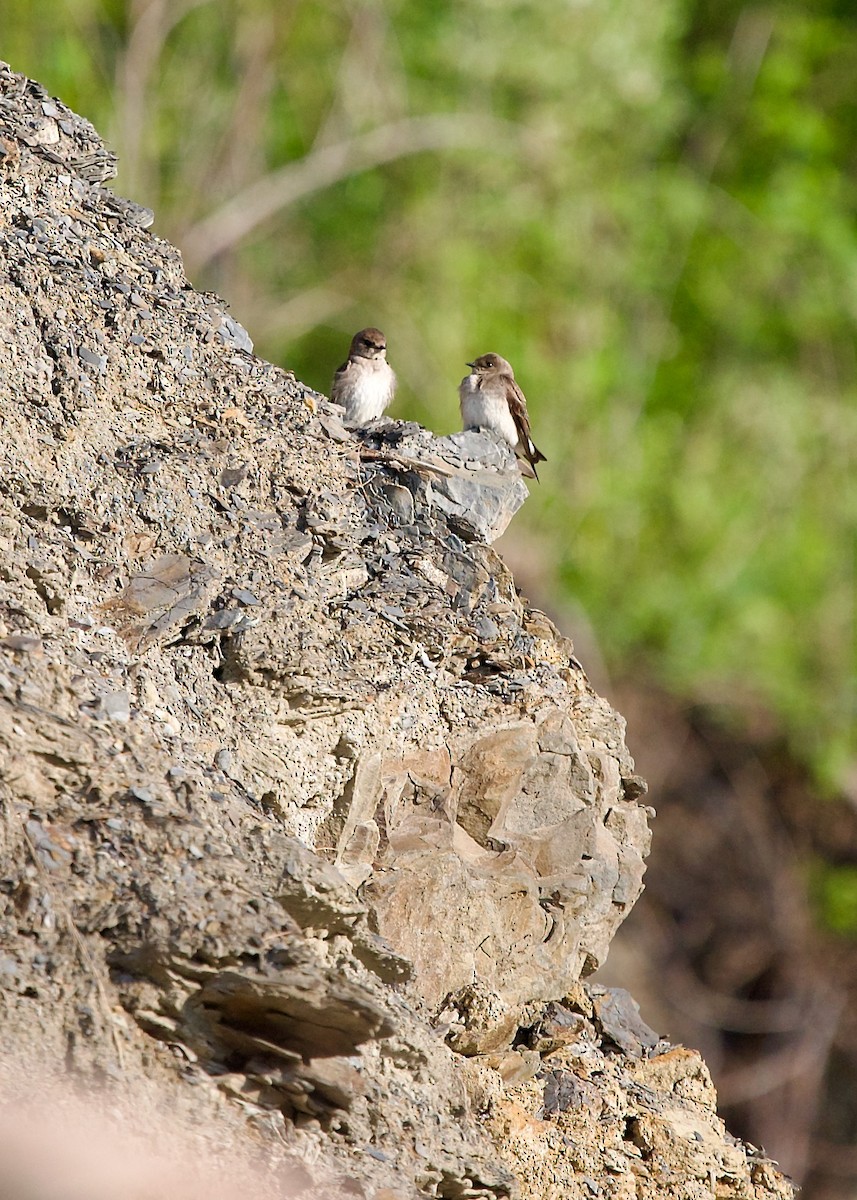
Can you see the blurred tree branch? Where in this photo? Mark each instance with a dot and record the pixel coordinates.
(150, 24)
(238, 217)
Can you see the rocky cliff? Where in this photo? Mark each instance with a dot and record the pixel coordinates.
(309, 822)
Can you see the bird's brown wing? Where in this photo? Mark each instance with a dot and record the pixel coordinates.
(518, 408)
(339, 380)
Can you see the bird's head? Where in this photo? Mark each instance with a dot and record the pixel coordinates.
(491, 363)
(369, 343)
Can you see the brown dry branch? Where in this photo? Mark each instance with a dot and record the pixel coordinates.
(257, 203)
(150, 24)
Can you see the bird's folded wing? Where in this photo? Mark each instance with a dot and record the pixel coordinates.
(339, 379)
(518, 409)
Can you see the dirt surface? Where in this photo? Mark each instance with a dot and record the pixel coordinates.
(309, 823)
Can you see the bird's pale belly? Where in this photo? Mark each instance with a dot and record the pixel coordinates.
(487, 412)
(368, 398)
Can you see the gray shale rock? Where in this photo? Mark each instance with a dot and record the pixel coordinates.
(287, 765)
(471, 478)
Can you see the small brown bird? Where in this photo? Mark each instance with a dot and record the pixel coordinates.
(365, 383)
(491, 399)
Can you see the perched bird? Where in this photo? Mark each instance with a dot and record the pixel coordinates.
(365, 383)
(491, 399)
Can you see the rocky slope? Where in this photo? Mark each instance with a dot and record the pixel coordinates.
(308, 820)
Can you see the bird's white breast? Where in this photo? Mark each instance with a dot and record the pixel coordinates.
(368, 391)
(485, 411)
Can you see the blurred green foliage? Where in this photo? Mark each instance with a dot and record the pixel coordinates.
(834, 890)
(649, 209)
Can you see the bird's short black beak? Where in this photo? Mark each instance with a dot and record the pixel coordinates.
(473, 365)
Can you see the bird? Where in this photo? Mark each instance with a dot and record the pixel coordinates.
(491, 399)
(365, 383)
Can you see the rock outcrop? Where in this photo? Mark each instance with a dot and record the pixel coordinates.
(307, 816)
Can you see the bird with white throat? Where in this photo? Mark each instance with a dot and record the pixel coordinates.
(491, 399)
(365, 383)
